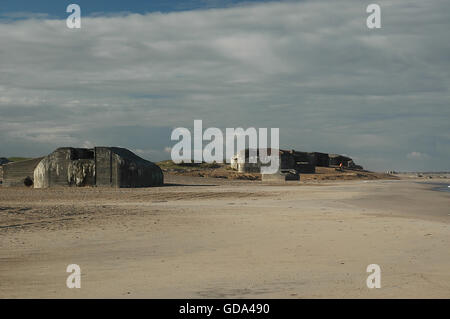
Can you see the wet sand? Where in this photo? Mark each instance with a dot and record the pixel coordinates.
(212, 238)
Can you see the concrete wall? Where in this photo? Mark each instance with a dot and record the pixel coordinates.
(66, 166)
(305, 167)
(241, 161)
(303, 162)
(15, 173)
(336, 159)
(81, 172)
(320, 159)
(103, 167)
(130, 170)
(281, 177)
(287, 160)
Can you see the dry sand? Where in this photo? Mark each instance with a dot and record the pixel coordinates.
(210, 238)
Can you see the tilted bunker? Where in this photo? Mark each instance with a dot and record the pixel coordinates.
(100, 166)
(20, 173)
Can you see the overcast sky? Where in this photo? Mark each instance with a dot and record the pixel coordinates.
(311, 68)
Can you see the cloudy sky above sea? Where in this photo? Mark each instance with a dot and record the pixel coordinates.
(137, 69)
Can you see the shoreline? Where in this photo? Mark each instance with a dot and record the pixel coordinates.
(440, 187)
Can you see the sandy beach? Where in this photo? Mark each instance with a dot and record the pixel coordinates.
(213, 238)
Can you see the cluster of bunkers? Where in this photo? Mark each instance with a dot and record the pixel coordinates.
(119, 167)
(301, 162)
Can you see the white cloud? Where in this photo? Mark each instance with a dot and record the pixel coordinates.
(88, 144)
(417, 156)
(311, 68)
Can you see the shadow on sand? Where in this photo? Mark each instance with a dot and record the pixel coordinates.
(175, 184)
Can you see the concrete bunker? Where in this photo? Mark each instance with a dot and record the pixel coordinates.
(20, 173)
(291, 160)
(337, 159)
(100, 166)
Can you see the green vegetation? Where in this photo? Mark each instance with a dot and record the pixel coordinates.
(183, 166)
(18, 159)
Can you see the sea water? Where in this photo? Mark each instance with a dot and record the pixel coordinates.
(442, 188)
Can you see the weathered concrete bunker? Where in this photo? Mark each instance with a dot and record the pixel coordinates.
(20, 173)
(301, 162)
(100, 166)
